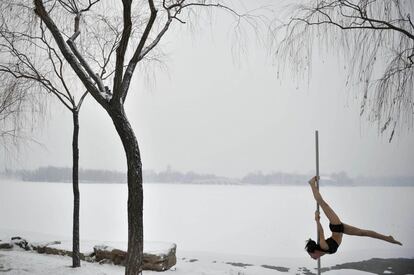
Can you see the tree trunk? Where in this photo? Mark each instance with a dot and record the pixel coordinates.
(135, 192)
(76, 196)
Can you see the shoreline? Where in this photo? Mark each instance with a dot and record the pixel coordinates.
(15, 260)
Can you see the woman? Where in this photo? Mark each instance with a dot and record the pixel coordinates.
(330, 245)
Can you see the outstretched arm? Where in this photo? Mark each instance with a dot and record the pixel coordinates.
(321, 235)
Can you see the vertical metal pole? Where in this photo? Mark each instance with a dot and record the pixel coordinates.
(317, 186)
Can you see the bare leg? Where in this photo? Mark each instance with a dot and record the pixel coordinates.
(330, 214)
(355, 231)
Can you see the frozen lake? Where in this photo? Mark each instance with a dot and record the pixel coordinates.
(265, 221)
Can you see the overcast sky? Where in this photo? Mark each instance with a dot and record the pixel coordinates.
(211, 112)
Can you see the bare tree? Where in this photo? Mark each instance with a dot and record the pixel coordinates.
(29, 60)
(375, 39)
(135, 28)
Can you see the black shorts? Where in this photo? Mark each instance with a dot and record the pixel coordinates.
(337, 227)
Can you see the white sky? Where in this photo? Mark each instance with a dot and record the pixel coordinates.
(212, 113)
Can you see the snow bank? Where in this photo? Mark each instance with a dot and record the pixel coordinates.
(158, 256)
(22, 262)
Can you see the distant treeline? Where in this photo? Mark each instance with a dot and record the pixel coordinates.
(64, 174)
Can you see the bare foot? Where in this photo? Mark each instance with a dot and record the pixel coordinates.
(312, 181)
(392, 240)
(313, 184)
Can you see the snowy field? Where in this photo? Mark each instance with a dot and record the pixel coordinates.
(218, 229)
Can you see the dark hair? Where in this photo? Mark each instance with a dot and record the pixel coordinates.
(311, 246)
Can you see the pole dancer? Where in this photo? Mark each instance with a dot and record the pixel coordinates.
(337, 227)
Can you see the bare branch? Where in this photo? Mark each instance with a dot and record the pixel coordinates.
(369, 35)
(122, 47)
(137, 54)
(69, 56)
(85, 65)
(81, 100)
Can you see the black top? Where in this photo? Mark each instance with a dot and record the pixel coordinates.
(332, 246)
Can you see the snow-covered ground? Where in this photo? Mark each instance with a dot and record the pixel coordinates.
(23, 262)
(217, 229)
